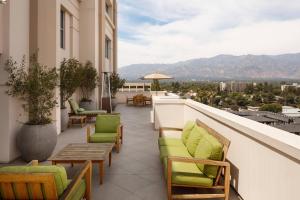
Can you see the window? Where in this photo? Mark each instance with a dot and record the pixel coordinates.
(107, 47)
(62, 29)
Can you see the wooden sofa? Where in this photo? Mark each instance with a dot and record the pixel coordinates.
(182, 169)
(40, 182)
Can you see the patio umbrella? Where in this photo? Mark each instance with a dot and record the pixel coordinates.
(156, 77)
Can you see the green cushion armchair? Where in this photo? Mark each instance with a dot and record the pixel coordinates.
(108, 129)
(44, 182)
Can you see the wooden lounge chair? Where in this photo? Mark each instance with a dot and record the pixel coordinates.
(108, 129)
(76, 110)
(196, 160)
(44, 182)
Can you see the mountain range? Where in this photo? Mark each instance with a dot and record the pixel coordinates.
(223, 67)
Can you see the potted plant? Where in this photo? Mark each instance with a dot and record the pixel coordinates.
(87, 83)
(115, 83)
(35, 86)
(69, 82)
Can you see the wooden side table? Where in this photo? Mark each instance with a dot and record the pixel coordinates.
(75, 119)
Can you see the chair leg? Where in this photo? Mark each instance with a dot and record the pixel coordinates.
(169, 192)
(118, 148)
(227, 183)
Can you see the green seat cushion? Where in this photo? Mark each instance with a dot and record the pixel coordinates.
(59, 173)
(92, 112)
(196, 134)
(209, 148)
(164, 141)
(79, 192)
(188, 174)
(103, 138)
(80, 109)
(107, 123)
(186, 131)
(166, 151)
(74, 105)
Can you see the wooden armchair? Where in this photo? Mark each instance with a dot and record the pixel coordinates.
(108, 129)
(15, 185)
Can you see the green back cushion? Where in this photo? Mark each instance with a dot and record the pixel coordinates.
(209, 148)
(107, 123)
(59, 173)
(196, 134)
(74, 105)
(186, 131)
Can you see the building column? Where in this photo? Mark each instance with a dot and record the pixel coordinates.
(14, 42)
(48, 12)
(89, 37)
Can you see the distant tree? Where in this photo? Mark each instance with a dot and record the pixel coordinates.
(175, 86)
(155, 85)
(290, 99)
(273, 107)
(257, 99)
(249, 89)
(241, 101)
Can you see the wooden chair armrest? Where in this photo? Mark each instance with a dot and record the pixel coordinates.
(161, 129)
(199, 161)
(84, 172)
(222, 164)
(33, 163)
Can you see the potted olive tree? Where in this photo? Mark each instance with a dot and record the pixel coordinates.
(87, 83)
(69, 82)
(116, 82)
(35, 86)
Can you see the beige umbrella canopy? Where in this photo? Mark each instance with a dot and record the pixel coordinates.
(156, 76)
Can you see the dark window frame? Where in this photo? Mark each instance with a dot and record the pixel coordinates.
(107, 47)
(62, 29)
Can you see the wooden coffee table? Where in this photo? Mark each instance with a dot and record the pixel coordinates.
(79, 153)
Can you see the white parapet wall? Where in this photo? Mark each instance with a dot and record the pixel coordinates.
(265, 161)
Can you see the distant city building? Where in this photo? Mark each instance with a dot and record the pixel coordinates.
(222, 86)
(290, 111)
(233, 86)
(253, 108)
(294, 85)
(135, 87)
(280, 121)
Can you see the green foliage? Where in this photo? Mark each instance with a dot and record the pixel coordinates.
(116, 82)
(34, 86)
(175, 87)
(155, 86)
(69, 79)
(273, 107)
(88, 80)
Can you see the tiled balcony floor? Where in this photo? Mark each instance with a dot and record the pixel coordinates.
(136, 172)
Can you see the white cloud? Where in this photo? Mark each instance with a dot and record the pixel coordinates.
(198, 28)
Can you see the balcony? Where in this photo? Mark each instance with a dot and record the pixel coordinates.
(264, 160)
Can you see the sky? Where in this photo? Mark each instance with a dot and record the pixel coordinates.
(168, 31)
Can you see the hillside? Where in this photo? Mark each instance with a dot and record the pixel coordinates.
(286, 66)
